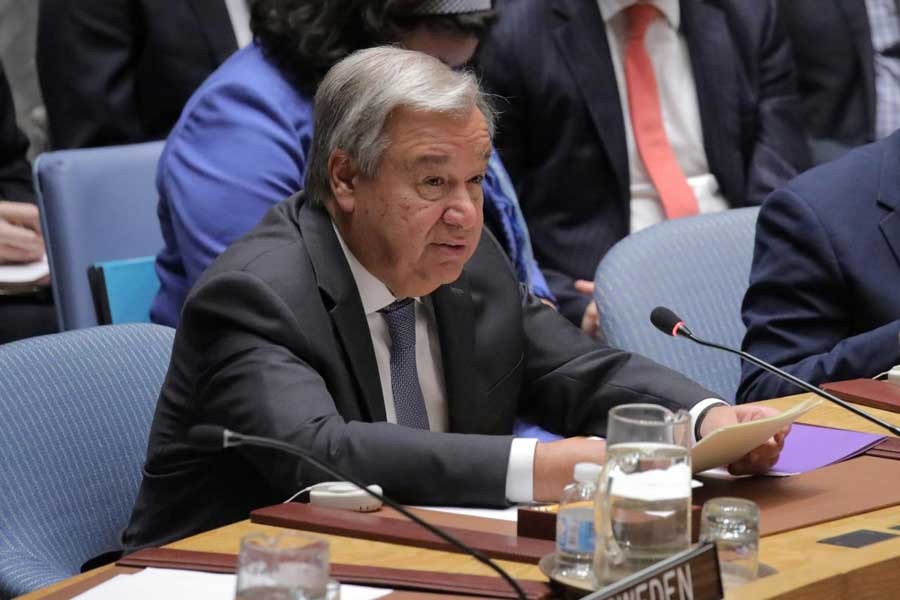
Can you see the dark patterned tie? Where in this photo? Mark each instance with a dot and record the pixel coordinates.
(408, 402)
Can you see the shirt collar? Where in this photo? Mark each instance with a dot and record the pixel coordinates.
(669, 8)
(372, 291)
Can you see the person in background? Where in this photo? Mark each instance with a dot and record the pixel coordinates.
(824, 296)
(241, 144)
(22, 314)
(120, 71)
(621, 114)
(848, 70)
(371, 320)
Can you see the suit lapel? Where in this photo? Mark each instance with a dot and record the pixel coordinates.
(215, 23)
(889, 194)
(715, 65)
(581, 38)
(858, 24)
(455, 322)
(336, 284)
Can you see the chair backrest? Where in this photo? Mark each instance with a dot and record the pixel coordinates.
(700, 268)
(75, 409)
(123, 290)
(96, 204)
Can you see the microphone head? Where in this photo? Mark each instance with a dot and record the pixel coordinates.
(211, 437)
(665, 320)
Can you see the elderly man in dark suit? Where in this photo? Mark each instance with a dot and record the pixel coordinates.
(120, 71)
(824, 296)
(371, 320)
(622, 113)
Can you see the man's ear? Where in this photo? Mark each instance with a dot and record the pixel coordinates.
(342, 175)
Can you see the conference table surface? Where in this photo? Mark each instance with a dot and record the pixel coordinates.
(805, 569)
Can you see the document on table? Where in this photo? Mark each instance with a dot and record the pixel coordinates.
(726, 445)
(26, 273)
(172, 584)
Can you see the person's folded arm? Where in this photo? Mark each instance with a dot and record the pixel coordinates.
(797, 310)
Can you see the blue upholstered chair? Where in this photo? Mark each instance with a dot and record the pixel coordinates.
(700, 268)
(97, 204)
(75, 412)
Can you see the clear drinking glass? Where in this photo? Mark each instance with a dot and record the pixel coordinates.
(733, 525)
(286, 566)
(643, 506)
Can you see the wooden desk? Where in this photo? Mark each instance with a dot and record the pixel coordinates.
(806, 570)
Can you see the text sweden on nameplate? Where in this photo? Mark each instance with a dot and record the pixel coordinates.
(689, 575)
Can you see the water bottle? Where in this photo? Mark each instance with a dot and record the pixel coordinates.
(575, 524)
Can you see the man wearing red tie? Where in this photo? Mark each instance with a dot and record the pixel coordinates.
(624, 113)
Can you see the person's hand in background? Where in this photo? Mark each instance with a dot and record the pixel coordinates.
(20, 233)
(590, 321)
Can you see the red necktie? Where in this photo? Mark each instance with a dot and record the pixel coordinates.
(646, 119)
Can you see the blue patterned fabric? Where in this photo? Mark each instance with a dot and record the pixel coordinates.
(409, 403)
(75, 409)
(697, 266)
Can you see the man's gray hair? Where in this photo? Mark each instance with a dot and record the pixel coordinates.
(360, 92)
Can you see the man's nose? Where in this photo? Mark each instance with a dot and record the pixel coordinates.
(464, 209)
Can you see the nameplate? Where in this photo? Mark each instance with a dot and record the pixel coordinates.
(689, 575)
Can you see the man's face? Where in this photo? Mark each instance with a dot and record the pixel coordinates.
(418, 220)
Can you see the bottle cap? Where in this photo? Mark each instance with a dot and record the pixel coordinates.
(586, 472)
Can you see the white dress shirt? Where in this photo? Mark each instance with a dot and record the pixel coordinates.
(375, 296)
(239, 14)
(680, 109)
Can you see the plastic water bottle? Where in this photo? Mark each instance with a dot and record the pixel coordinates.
(575, 524)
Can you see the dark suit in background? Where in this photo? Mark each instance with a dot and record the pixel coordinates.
(832, 48)
(15, 172)
(562, 135)
(274, 341)
(824, 296)
(120, 71)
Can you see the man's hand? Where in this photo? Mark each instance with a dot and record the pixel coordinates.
(758, 460)
(554, 463)
(590, 321)
(20, 233)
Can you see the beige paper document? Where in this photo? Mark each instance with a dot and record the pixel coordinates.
(726, 445)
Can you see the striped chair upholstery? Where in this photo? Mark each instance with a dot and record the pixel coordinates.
(697, 266)
(75, 409)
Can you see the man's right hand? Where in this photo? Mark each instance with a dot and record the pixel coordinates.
(554, 464)
(20, 233)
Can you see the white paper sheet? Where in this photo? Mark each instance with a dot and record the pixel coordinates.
(503, 514)
(26, 273)
(171, 584)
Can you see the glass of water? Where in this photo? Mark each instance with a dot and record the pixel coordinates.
(643, 506)
(285, 566)
(733, 525)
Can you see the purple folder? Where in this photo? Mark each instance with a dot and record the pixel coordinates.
(810, 447)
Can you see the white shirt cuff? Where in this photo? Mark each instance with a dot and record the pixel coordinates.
(520, 473)
(697, 410)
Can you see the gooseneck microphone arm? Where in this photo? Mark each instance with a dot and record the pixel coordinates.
(215, 437)
(669, 323)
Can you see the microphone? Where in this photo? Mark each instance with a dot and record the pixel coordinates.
(213, 437)
(671, 324)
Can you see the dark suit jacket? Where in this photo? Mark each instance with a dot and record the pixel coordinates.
(562, 135)
(824, 296)
(120, 71)
(835, 74)
(15, 172)
(274, 341)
